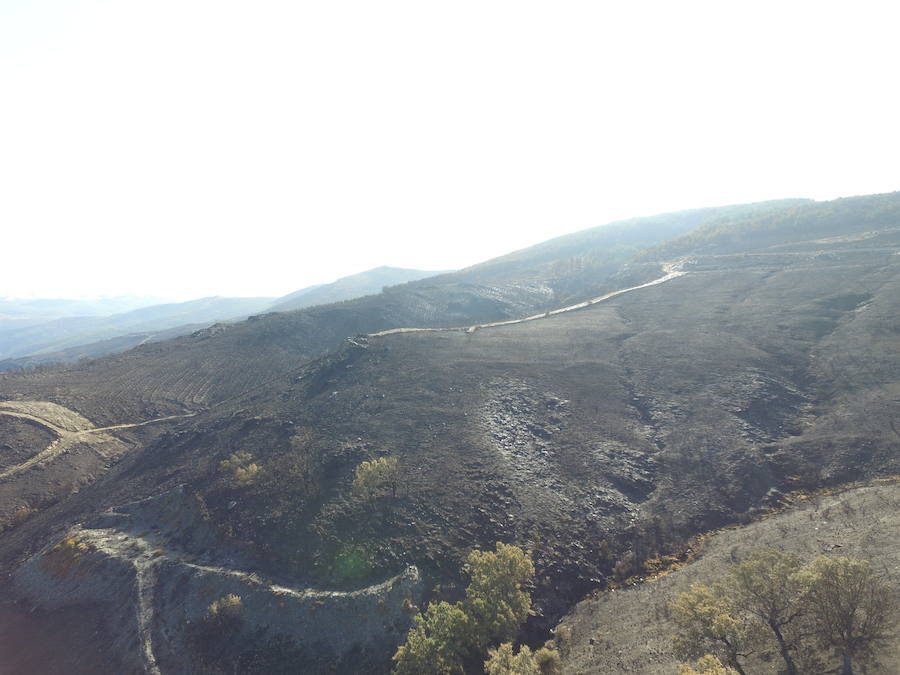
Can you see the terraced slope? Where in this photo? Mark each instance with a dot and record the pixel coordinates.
(43, 468)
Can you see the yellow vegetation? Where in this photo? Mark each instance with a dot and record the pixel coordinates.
(63, 558)
(242, 467)
(228, 606)
(376, 478)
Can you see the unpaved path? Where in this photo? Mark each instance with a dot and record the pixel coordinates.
(147, 555)
(68, 426)
(671, 269)
(52, 413)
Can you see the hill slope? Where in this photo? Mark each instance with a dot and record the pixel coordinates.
(370, 282)
(64, 333)
(30, 341)
(630, 631)
(220, 362)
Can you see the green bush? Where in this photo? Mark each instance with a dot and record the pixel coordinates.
(447, 637)
(503, 661)
(376, 478)
(242, 468)
(437, 644)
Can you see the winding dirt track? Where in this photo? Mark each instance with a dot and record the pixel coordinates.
(672, 270)
(55, 416)
(65, 438)
(146, 555)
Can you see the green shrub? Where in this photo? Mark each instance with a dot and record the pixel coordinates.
(707, 665)
(376, 478)
(447, 637)
(242, 468)
(437, 644)
(503, 661)
(494, 598)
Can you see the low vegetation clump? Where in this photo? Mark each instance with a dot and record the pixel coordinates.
(227, 607)
(376, 478)
(242, 468)
(504, 661)
(20, 515)
(63, 558)
(452, 638)
(834, 605)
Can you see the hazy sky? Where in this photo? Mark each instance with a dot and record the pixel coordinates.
(183, 148)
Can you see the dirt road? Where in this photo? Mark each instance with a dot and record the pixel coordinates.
(672, 270)
(68, 426)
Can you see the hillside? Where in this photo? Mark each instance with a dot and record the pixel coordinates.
(42, 341)
(630, 630)
(676, 405)
(370, 282)
(29, 337)
(214, 364)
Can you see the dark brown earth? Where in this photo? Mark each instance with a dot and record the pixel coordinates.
(72, 640)
(20, 439)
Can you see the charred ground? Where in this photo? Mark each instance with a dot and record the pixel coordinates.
(638, 421)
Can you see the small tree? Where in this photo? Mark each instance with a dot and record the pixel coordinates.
(215, 641)
(770, 586)
(376, 478)
(226, 608)
(495, 598)
(708, 624)
(503, 661)
(437, 644)
(241, 466)
(851, 609)
(448, 637)
(548, 660)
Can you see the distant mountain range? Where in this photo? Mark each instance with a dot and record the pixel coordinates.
(36, 310)
(41, 331)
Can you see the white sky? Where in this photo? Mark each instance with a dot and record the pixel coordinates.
(183, 148)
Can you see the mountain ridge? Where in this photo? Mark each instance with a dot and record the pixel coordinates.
(72, 338)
